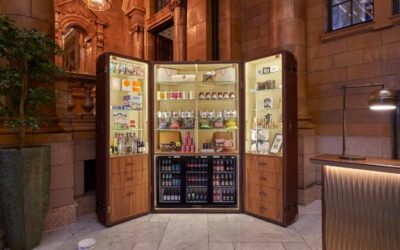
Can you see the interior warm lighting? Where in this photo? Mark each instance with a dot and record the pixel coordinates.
(382, 99)
(379, 100)
(97, 5)
(382, 107)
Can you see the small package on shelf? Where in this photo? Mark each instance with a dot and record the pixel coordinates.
(163, 123)
(139, 70)
(263, 146)
(115, 83)
(205, 123)
(121, 68)
(174, 124)
(188, 123)
(223, 141)
(231, 123)
(183, 78)
(260, 86)
(113, 66)
(127, 102)
(165, 74)
(225, 75)
(260, 141)
(136, 103)
(120, 121)
(268, 102)
(209, 76)
(126, 85)
(137, 87)
(218, 123)
(130, 69)
(170, 141)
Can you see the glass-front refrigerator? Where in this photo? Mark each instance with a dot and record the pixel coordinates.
(122, 157)
(196, 108)
(192, 181)
(270, 177)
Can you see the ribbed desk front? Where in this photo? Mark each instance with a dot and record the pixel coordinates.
(360, 203)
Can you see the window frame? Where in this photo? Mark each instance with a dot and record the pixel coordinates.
(396, 7)
(157, 7)
(330, 11)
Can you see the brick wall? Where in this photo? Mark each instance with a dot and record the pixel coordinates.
(198, 30)
(367, 53)
(229, 30)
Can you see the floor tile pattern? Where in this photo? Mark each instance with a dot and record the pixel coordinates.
(193, 232)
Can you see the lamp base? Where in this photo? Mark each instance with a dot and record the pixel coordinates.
(352, 157)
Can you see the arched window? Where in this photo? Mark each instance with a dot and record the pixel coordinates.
(345, 13)
(77, 50)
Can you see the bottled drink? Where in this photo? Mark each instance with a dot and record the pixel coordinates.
(166, 194)
(193, 195)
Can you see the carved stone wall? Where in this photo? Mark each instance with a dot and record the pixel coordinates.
(106, 31)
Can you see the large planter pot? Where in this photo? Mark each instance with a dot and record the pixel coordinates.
(24, 194)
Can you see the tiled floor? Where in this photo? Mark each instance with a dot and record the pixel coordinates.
(193, 231)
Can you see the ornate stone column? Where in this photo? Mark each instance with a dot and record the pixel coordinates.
(178, 7)
(136, 12)
(289, 33)
(137, 31)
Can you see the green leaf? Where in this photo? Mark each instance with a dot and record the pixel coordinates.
(26, 63)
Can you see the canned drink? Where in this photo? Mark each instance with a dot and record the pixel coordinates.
(179, 95)
(191, 95)
(167, 95)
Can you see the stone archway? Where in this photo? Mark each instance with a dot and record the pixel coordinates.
(72, 14)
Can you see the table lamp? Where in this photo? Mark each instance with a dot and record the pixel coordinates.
(379, 100)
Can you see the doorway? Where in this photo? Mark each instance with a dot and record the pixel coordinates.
(164, 43)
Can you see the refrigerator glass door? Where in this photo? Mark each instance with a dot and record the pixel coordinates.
(263, 85)
(128, 106)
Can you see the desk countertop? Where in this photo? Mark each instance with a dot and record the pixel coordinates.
(374, 164)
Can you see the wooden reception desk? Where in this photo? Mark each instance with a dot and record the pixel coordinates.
(360, 203)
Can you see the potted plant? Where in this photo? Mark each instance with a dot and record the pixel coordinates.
(27, 72)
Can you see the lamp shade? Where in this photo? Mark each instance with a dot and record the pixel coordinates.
(97, 5)
(383, 99)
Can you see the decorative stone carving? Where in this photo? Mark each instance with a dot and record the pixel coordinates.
(136, 28)
(72, 13)
(88, 103)
(177, 3)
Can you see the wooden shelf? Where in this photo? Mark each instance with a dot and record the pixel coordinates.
(194, 154)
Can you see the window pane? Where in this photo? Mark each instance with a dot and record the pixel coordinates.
(341, 16)
(160, 4)
(396, 7)
(334, 2)
(363, 10)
